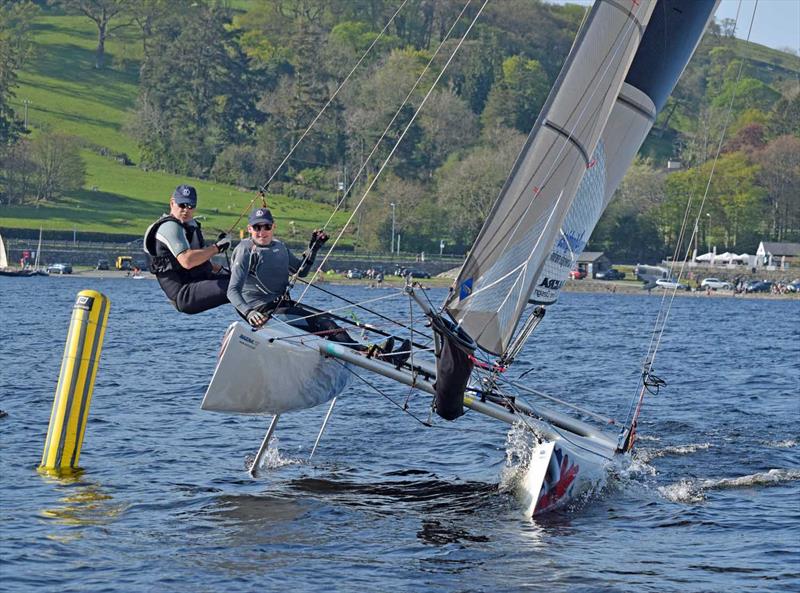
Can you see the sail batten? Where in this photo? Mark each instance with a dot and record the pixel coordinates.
(527, 218)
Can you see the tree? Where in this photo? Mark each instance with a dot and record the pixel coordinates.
(15, 47)
(101, 12)
(733, 206)
(17, 172)
(517, 98)
(59, 167)
(448, 126)
(468, 188)
(780, 176)
(197, 93)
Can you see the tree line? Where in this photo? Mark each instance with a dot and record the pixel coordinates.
(226, 94)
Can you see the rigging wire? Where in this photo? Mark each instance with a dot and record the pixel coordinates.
(408, 126)
(359, 305)
(264, 188)
(649, 383)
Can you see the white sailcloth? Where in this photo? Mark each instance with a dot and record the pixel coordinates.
(630, 122)
(498, 276)
(3, 254)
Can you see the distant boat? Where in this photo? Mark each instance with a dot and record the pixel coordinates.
(5, 270)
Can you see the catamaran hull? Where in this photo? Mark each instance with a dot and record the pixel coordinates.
(272, 371)
(560, 474)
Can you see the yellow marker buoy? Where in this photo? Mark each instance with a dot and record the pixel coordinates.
(76, 381)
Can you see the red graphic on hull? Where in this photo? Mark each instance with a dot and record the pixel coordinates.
(559, 486)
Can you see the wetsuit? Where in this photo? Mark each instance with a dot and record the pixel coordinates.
(191, 291)
(260, 277)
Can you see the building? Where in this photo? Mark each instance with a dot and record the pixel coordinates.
(778, 256)
(592, 262)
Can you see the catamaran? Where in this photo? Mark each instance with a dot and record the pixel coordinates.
(626, 59)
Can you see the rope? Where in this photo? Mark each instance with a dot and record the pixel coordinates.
(264, 188)
(359, 306)
(648, 382)
(408, 126)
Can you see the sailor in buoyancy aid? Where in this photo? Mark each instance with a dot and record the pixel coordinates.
(260, 268)
(180, 260)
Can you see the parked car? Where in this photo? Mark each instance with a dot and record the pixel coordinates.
(354, 274)
(60, 268)
(416, 273)
(715, 284)
(759, 286)
(610, 274)
(102, 264)
(577, 274)
(793, 286)
(670, 283)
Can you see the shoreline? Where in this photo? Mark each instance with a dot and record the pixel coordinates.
(594, 286)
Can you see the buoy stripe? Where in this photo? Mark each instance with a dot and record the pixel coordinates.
(46, 462)
(82, 318)
(91, 373)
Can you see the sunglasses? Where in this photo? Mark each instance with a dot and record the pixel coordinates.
(185, 206)
(262, 227)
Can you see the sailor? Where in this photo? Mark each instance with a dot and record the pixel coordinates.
(260, 268)
(180, 260)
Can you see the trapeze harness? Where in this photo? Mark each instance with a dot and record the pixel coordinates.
(191, 291)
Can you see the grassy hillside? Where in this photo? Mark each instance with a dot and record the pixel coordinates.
(68, 94)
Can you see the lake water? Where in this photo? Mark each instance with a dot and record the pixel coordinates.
(710, 501)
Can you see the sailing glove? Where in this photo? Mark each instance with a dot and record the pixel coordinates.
(222, 243)
(317, 239)
(256, 318)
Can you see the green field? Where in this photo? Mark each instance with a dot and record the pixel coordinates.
(64, 92)
(67, 94)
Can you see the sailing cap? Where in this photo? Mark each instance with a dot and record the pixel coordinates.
(260, 216)
(185, 194)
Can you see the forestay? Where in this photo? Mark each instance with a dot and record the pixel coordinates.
(499, 275)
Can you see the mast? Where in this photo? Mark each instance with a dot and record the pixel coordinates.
(38, 251)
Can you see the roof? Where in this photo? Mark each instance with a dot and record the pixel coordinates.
(790, 249)
(590, 256)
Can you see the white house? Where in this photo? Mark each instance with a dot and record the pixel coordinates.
(778, 255)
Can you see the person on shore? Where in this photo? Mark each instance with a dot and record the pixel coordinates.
(181, 261)
(260, 269)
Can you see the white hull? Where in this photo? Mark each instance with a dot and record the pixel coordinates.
(271, 372)
(560, 473)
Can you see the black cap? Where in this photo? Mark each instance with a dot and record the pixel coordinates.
(185, 194)
(260, 216)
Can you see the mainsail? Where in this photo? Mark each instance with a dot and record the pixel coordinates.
(497, 278)
(669, 41)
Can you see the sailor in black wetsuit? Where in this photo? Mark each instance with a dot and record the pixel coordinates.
(180, 259)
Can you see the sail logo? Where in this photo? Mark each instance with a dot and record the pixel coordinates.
(247, 341)
(551, 283)
(466, 289)
(571, 242)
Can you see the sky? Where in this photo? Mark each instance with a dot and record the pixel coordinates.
(776, 23)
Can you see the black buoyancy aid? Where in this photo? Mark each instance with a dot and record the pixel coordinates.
(163, 263)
